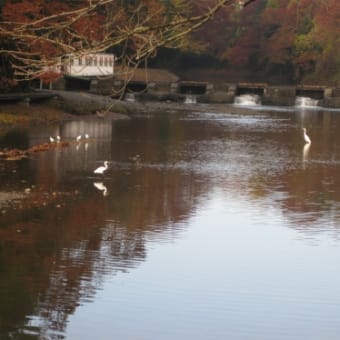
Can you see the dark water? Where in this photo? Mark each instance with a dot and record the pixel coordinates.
(207, 225)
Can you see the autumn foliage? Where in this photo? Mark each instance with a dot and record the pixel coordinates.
(298, 38)
(37, 35)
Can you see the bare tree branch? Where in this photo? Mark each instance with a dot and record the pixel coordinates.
(133, 32)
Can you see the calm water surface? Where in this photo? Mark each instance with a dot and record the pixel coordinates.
(207, 225)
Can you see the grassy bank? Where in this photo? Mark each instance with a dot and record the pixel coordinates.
(19, 115)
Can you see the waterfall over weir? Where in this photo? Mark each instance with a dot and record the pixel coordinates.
(306, 102)
(129, 97)
(190, 99)
(247, 99)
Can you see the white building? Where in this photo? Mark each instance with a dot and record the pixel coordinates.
(96, 64)
(89, 65)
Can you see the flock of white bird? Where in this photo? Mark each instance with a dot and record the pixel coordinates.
(78, 138)
(98, 171)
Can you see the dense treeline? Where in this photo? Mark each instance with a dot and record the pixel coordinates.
(299, 39)
(36, 35)
(294, 40)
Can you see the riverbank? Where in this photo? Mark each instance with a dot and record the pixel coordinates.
(41, 113)
(73, 105)
(65, 106)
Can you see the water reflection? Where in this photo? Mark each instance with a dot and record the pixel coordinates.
(101, 187)
(305, 152)
(215, 181)
(16, 138)
(70, 130)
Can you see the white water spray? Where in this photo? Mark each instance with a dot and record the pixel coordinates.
(306, 102)
(247, 99)
(129, 97)
(190, 99)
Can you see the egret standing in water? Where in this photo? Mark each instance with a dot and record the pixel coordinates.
(51, 139)
(78, 138)
(102, 169)
(306, 137)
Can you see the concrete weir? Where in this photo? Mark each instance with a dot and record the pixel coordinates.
(164, 86)
(206, 92)
(192, 87)
(250, 88)
(136, 86)
(314, 92)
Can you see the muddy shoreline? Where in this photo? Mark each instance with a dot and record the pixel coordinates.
(67, 105)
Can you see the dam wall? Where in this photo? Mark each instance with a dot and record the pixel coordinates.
(204, 92)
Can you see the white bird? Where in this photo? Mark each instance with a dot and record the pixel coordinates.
(51, 139)
(58, 139)
(306, 137)
(102, 169)
(78, 138)
(87, 136)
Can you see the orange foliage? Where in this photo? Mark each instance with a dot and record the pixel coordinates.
(237, 56)
(24, 11)
(300, 33)
(327, 20)
(90, 27)
(45, 48)
(49, 76)
(6, 84)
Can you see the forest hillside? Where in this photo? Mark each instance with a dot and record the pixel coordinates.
(273, 41)
(289, 41)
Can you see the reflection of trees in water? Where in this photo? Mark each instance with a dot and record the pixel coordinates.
(79, 272)
(62, 255)
(307, 195)
(147, 201)
(83, 254)
(74, 247)
(118, 245)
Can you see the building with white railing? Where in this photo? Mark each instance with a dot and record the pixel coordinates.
(85, 66)
(89, 65)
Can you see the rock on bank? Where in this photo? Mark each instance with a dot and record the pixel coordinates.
(82, 103)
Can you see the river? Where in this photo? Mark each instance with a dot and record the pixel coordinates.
(208, 224)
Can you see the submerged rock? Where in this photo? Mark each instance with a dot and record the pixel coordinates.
(83, 103)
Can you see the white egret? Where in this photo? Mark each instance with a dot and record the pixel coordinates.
(78, 138)
(87, 136)
(51, 139)
(306, 137)
(58, 139)
(102, 169)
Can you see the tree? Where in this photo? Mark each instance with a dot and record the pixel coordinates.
(35, 34)
(326, 33)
